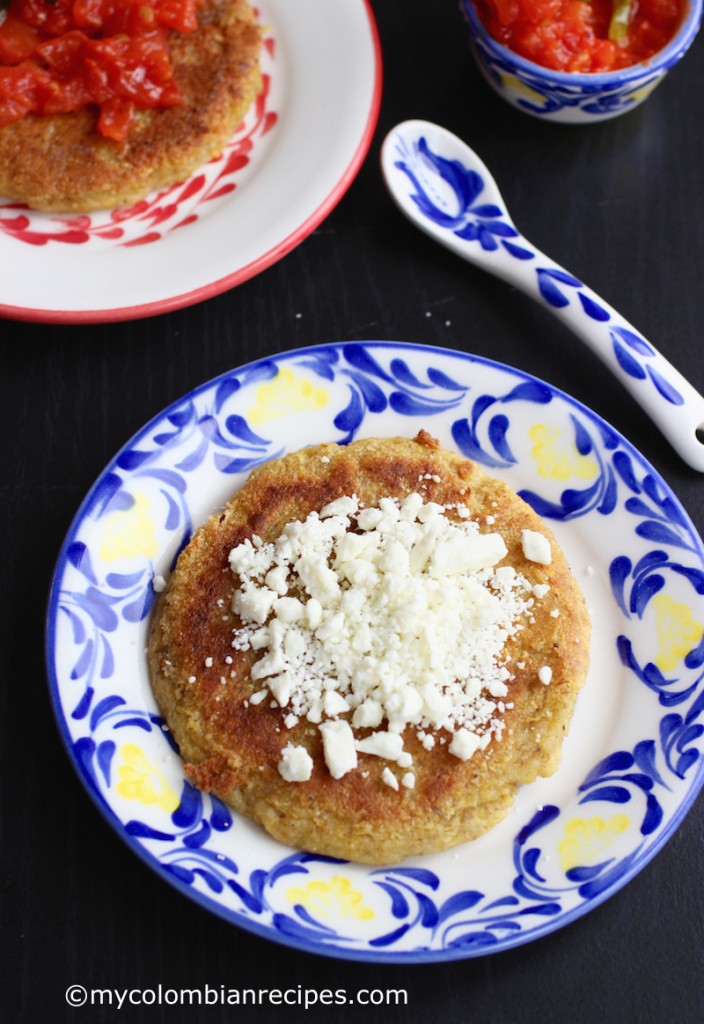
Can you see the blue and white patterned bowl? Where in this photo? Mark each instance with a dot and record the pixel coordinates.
(569, 97)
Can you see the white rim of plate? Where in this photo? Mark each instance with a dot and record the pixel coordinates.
(368, 370)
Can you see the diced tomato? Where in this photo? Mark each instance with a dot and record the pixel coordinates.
(17, 40)
(52, 19)
(573, 35)
(182, 16)
(16, 95)
(115, 119)
(60, 56)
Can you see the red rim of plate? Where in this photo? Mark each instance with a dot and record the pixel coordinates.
(239, 276)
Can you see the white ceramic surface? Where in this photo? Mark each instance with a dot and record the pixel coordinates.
(632, 763)
(291, 161)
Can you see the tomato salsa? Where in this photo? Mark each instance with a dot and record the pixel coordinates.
(58, 56)
(582, 35)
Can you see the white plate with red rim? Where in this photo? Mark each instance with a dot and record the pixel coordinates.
(296, 153)
(633, 761)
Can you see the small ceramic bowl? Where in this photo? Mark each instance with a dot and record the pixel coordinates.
(569, 97)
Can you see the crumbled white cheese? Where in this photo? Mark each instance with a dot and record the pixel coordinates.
(545, 674)
(408, 780)
(536, 547)
(289, 609)
(389, 778)
(344, 506)
(369, 714)
(382, 744)
(464, 744)
(158, 584)
(338, 747)
(467, 553)
(334, 704)
(254, 603)
(276, 580)
(296, 764)
(396, 612)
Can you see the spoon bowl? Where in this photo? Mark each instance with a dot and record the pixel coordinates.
(441, 185)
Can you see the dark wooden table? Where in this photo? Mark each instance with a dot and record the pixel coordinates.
(622, 205)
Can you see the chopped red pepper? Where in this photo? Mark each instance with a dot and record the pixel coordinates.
(60, 56)
(573, 35)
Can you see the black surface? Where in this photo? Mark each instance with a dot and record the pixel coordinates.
(620, 204)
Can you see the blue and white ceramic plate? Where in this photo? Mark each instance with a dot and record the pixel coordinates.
(632, 763)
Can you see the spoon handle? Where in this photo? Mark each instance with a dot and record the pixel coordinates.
(446, 190)
(673, 404)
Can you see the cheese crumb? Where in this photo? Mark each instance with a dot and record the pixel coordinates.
(338, 748)
(369, 714)
(296, 764)
(536, 547)
(545, 674)
(382, 744)
(389, 778)
(464, 744)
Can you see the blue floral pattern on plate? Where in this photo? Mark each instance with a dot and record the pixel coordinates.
(632, 764)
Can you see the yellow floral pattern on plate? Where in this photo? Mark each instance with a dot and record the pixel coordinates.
(141, 780)
(585, 841)
(288, 392)
(335, 898)
(557, 458)
(129, 533)
(677, 630)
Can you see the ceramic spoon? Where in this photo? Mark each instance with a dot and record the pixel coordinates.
(445, 189)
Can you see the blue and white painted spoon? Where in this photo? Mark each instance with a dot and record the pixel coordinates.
(445, 189)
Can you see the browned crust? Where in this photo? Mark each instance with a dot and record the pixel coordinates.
(233, 751)
(60, 163)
